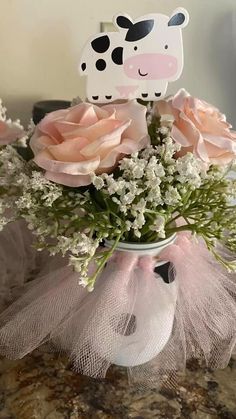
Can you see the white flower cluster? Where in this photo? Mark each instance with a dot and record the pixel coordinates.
(23, 140)
(77, 244)
(49, 191)
(13, 125)
(12, 166)
(148, 183)
(191, 171)
(159, 226)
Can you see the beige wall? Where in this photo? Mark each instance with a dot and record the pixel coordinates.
(40, 42)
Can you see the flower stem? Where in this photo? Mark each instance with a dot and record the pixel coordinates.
(93, 278)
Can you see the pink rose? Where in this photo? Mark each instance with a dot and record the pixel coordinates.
(72, 144)
(200, 128)
(9, 132)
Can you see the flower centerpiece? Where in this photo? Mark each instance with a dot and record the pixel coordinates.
(133, 203)
(118, 226)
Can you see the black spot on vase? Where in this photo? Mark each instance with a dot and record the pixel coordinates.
(166, 272)
(100, 64)
(125, 324)
(83, 66)
(117, 55)
(144, 95)
(101, 44)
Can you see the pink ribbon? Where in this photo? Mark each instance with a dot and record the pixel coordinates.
(129, 261)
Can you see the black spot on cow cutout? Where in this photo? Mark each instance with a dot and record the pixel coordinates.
(101, 44)
(117, 55)
(108, 97)
(124, 22)
(95, 97)
(139, 30)
(176, 20)
(157, 94)
(100, 65)
(135, 48)
(83, 66)
(125, 324)
(164, 272)
(166, 46)
(144, 95)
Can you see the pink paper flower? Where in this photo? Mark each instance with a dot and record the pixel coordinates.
(72, 144)
(200, 128)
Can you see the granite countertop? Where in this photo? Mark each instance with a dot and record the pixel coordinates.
(42, 386)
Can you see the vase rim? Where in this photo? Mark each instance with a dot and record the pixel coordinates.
(142, 248)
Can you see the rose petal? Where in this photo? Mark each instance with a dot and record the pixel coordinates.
(224, 159)
(68, 150)
(127, 146)
(106, 142)
(201, 150)
(39, 143)
(179, 137)
(68, 180)
(136, 113)
(163, 107)
(45, 160)
(224, 143)
(47, 124)
(86, 114)
(98, 130)
(70, 130)
(179, 99)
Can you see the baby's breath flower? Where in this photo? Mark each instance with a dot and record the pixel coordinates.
(98, 182)
(172, 196)
(159, 226)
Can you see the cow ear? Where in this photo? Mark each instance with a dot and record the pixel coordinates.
(179, 18)
(123, 21)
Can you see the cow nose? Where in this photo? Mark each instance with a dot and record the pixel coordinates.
(151, 66)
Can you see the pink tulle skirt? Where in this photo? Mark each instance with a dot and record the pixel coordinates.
(149, 319)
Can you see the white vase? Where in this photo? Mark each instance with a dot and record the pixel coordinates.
(153, 327)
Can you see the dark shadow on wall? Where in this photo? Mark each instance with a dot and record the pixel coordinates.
(20, 108)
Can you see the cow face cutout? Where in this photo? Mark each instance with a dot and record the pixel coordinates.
(138, 61)
(156, 58)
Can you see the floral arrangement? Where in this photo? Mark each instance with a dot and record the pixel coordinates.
(91, 180)
(118, 226)
(122, 172)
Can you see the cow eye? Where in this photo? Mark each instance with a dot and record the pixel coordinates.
(135, 48)
(166, 46)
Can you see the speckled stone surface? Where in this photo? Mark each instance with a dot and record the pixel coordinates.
(42, 386)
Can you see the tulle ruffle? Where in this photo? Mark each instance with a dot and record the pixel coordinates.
(18, 260)
(136, 316)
